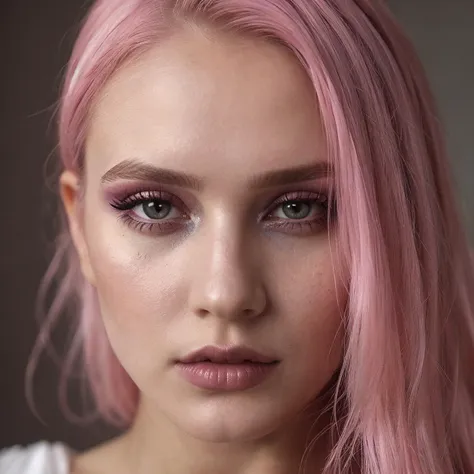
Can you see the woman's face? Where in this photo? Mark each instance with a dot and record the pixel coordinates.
(205, 223)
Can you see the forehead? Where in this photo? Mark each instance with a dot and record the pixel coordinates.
(204, 101)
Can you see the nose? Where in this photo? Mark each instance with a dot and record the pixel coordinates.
(227, 282)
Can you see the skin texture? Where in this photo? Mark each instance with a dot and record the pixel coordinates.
(230, 267)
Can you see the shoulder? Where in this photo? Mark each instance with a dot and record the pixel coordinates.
(38, 458)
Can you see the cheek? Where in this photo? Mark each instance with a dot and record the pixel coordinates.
(312, 301)
(143, 296)
(140, 291)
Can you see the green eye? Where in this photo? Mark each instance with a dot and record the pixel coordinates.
(156, 209)
(297, 209)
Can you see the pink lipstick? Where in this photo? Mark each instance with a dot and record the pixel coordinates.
(226, 369)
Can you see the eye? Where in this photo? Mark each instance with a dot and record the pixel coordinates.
(300, 205)
(295, 209)
(156, 209)
(152, 211)
(302, 213)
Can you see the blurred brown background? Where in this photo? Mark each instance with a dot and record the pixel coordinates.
(35, 41)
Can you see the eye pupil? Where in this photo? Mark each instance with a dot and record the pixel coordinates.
(156, 209)
(297, 209)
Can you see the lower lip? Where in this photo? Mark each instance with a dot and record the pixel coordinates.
(225, 377)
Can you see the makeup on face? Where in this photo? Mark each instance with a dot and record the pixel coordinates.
(208, 232)
(231, 368)
(139, 193)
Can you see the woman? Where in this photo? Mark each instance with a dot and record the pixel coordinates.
(262, 241)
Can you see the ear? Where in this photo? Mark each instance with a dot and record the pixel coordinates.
(70, 190)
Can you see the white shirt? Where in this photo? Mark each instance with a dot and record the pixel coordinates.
(38, 458)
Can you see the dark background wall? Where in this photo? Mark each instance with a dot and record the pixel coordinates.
(35, 41)
(36, 38)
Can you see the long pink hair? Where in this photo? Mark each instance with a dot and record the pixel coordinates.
(406, 377)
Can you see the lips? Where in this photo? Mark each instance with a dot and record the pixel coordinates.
(227, 355)
(227, 369)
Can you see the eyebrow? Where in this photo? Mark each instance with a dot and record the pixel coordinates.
(317, 170)
(136, 170)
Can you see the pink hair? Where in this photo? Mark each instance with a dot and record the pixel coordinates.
(406, 375)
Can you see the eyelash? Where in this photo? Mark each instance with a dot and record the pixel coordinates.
(165, 225)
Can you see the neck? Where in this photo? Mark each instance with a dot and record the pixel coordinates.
(155, 444)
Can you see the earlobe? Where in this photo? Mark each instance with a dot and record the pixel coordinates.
(70, 191)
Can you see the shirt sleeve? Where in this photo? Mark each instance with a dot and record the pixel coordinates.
(38, 458)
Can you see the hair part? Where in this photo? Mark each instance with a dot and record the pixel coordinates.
(409, 322)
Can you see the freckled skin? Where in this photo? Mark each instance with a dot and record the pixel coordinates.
(223, 109)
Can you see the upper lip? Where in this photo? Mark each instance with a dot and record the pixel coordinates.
(230, 355)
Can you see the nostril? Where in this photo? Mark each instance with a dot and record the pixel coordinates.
(201, 312)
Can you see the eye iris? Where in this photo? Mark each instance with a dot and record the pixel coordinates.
(297, 209)
(156, 209)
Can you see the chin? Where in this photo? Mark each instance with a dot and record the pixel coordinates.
(223, 419)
